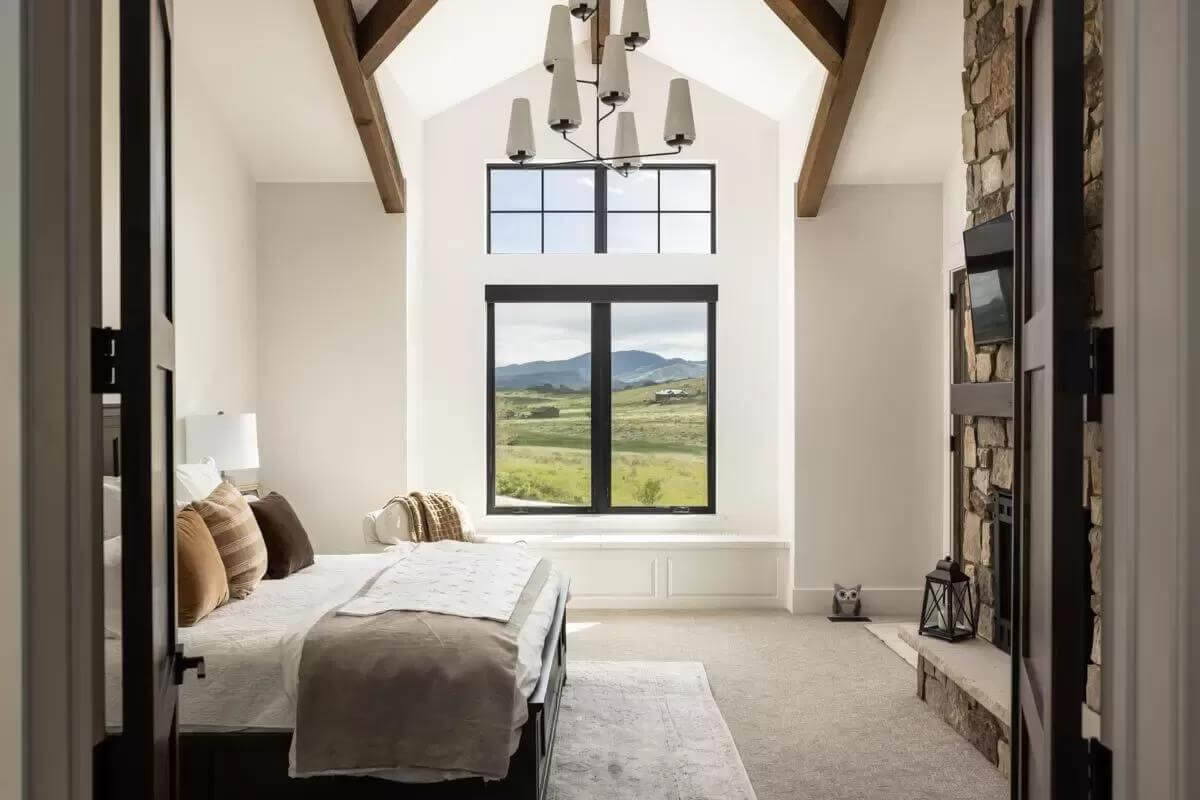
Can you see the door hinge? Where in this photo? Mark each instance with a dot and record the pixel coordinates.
(953, 443)
(953, 302)
(1100, 371)
(105, 344)
(1099, 770)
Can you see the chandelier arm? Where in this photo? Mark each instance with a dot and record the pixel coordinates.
(674, 152)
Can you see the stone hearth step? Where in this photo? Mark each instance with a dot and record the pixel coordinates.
(969, 685)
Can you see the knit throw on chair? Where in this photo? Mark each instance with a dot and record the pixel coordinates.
(432, 516)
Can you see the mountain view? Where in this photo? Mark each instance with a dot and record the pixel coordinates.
(630, 368)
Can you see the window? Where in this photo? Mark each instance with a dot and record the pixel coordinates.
(601, 399)
(669, 208)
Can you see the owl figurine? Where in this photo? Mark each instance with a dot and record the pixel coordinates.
(846, 601)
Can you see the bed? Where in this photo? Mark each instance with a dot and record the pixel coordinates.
(236, 726)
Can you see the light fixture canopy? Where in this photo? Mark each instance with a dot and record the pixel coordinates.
(626, 149)
(614, 73)
(583, 9)
(680, 128)
(521, 146)
(635, 23)
(559, 44)
(565, 113)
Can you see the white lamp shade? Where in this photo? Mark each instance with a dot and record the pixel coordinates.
(625, 149)
(565, 113)
(520, 131)
(583, 8)
(614, 72)
(231, 440)
(635, 23)
(680, 128)
(559, 44)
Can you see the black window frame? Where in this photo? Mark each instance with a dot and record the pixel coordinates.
(601, 300)
(600, 209)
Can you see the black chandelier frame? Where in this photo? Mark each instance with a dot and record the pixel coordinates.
(596, 158)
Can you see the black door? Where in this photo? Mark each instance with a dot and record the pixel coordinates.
(1048, 663)
(146, 364)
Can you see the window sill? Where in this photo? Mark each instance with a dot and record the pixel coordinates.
(607, 524)
(633, 541)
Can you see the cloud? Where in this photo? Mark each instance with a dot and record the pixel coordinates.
(555, 331)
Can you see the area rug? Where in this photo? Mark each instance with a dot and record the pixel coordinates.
(644, 730)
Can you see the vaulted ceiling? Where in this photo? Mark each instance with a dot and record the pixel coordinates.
(738, 47)
(266, 67)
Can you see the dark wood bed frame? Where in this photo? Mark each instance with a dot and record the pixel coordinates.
(254, 765)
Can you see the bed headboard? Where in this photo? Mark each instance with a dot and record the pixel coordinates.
(111, 438)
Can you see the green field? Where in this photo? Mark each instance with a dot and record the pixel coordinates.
(659, 449)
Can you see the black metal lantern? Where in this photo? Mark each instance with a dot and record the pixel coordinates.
(948, 609)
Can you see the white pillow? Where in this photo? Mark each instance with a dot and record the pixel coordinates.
(195, 481)
(112, 506)
(112, 588)
(389, 525)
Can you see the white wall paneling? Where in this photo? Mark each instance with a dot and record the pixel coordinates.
(625, 572)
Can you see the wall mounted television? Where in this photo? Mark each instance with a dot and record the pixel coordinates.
(990, 260)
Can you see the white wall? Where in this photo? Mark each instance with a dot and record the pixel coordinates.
(11, 596)
(743, 143)
(869, 406)
(331, 354)
(215, 275)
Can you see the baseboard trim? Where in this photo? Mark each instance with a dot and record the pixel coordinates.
(879, 601)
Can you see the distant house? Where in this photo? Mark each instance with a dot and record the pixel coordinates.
(669, 395)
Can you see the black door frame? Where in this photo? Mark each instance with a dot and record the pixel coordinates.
(1049, 337)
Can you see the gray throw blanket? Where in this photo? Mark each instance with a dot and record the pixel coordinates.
(411, 689)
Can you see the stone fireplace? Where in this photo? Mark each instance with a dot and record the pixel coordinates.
(968, 684)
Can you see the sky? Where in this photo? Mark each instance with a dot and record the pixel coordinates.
(555, 331)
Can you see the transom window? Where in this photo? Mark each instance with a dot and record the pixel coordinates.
(601, 399)
(668, 209)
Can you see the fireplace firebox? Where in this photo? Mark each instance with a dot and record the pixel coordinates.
(1001, 554)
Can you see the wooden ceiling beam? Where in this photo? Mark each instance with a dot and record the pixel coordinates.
(340, 25)
(818, 25)
(384, 28)
(601, 27)
(833, 110)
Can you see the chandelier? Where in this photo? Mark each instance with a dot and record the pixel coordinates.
(612, 89)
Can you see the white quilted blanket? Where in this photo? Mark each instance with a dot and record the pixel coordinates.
(476, 582)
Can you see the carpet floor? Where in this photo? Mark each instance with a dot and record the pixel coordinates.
(818, 710)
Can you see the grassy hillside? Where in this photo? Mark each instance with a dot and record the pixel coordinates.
(658, 448)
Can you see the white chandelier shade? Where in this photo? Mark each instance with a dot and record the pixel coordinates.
(626, 149)
(521, 146)
(635, 23)
(559, 44)
(612, 87)
(614, 72)
(680, 128)
(565, 112)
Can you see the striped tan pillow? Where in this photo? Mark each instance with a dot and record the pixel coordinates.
(237, 536)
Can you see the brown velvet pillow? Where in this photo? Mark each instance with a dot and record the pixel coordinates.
(288, 547)
(201, 573)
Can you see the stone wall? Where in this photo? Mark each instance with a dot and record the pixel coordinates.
(988, 81)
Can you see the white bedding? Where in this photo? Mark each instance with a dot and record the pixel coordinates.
(251, 649)
(480, 581)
